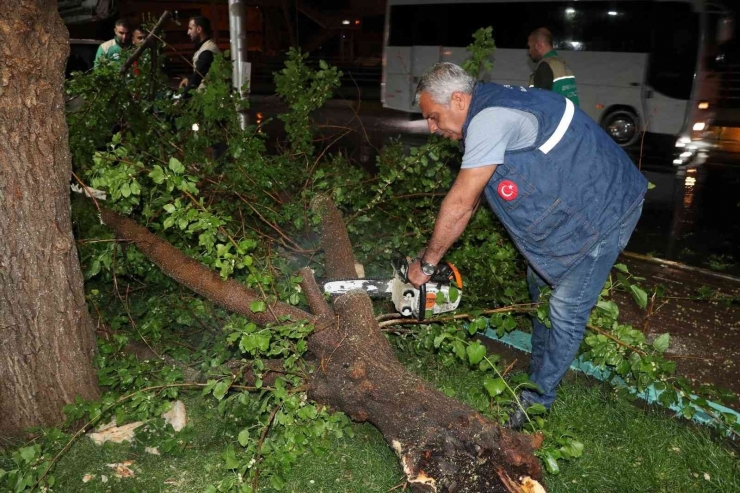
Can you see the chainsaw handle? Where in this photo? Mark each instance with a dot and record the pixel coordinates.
(442, 274)
(422, 301)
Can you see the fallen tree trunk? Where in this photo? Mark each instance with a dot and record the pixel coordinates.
(443, 445)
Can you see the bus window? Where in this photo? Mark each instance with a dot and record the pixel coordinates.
(419, 25)
(581, 26)
(675, 44)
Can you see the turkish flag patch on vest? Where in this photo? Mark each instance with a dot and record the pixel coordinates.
(507, 190)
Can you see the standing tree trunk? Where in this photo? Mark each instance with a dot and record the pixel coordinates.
(47, 341)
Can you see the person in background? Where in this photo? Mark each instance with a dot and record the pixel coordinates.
(112, 49)
(552, 73)
(199, 31)
(139, 36)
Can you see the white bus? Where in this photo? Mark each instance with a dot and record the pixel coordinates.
(638, 64)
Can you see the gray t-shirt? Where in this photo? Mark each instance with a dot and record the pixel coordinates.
(493, 131)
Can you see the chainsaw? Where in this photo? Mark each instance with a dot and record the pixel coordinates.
(440, 294)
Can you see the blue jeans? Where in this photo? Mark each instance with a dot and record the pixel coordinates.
(572, 299)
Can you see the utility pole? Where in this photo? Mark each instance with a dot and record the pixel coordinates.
(241, 68)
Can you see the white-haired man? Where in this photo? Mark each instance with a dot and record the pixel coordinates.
(566, 193)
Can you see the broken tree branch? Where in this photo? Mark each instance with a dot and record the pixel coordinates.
(229, 294)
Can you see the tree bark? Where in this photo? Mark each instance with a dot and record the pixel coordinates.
(443, 445)
(47, 342)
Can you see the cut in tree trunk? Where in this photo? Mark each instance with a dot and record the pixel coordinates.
(443, 445)
(47, 341)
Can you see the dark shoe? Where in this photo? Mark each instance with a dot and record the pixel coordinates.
(518, 418)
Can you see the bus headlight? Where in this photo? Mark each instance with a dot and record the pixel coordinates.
(699, 126)
(703, 105)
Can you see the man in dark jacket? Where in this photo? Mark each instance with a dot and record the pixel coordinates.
(199, 31)
(566, 193)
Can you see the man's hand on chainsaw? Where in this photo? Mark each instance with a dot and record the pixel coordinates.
(415, 275)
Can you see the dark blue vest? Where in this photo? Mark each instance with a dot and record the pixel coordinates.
(560, 196)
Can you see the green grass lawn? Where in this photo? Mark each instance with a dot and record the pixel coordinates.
(627, 449)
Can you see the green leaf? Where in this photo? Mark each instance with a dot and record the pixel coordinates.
(243, 437)
(263, 341)
(476, 351)
(459, 349)
(247, 343)
(639, 295)
(651, 185)
(210, 384)
(257, 306)
(494, 386)
(454, 293)
(176, 166)
(277, 482)
(323, 65)
(662, 342)
(438, 340)
(668, 366)
(28, 453)
(574, 449)
(169, 208)
(307, 412)
(219, 391)
(623, 367)
(94, 268)
(610, 308)
(509, 324)
(622, 268)
(536, 409)
(229, 456)
(157, 175)
(551, 464)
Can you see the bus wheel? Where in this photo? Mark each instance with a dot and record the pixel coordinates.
(622, 126)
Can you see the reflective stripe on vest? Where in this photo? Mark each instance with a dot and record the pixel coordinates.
(559, 132)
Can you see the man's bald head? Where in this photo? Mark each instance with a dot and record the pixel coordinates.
(539, 43)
